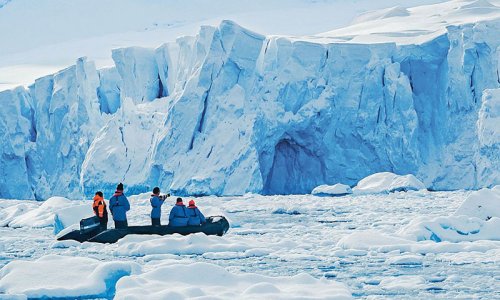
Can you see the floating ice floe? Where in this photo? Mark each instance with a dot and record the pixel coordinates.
(136, 245)
(14, 210)
(406, 260)
(386, 182)
(478, 218)
(332, 190)
(200, 280)
(55, 276)
(369, 239)
(408, 282)
(483, 204)
(453, 229)
(40, 216)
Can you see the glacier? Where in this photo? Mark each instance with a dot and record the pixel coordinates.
(230, 111)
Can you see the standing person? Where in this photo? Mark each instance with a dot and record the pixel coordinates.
(156, 203)
(99, 207)
(178, 215)
(118, 205)
(196, 218)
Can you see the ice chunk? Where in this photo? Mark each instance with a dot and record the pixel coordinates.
(406, 260)
(452, 229)
(41, 216)
(55, 276)
(71, 215)
(477, 218)
(387, 182)
(483, 204)
(368, 239)
(215, 282)
(333, 190)
(135, 245)
(13, 211)
(401, 283)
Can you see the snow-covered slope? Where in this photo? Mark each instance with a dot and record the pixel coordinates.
(59, 31)
(242, 112)
(414, 25)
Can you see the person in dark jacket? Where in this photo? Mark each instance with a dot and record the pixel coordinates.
(99, 207)
(178, 215)
(196, 218)
(119, 205)
(156, 203)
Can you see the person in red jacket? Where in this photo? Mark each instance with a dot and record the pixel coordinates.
(99, 207)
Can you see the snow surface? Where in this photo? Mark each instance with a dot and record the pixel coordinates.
(242, 112)
(361, 241)
(336, 189)
(414, 25)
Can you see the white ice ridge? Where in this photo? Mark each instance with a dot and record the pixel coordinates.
(241, 112)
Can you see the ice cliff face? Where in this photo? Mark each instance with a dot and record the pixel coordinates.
(239, 112)
(47, 131)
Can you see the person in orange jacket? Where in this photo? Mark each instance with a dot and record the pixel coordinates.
(100, 210)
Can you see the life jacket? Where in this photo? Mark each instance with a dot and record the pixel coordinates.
(119, 205)
(99, 206)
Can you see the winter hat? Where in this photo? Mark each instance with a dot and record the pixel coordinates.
(191, 203)
(119, 187)
(179, 199)
(156, 190)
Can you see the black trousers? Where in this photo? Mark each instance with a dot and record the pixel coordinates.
(155, 221)
(121, 224)
(104, 223)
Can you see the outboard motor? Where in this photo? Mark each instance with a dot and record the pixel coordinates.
(89, 224)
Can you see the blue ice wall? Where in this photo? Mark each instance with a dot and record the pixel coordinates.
(241, 113)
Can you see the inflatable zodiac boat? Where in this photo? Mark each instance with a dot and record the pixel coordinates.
(90, 231)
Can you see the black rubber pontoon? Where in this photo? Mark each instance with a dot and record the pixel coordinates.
(216, 225)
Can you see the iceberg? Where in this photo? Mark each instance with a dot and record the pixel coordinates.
(386, 182)
(230, 111)
(338, 189)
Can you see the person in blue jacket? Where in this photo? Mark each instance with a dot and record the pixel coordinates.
(119, 205)
(196, 218)
(178, 215)
(156, 203)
